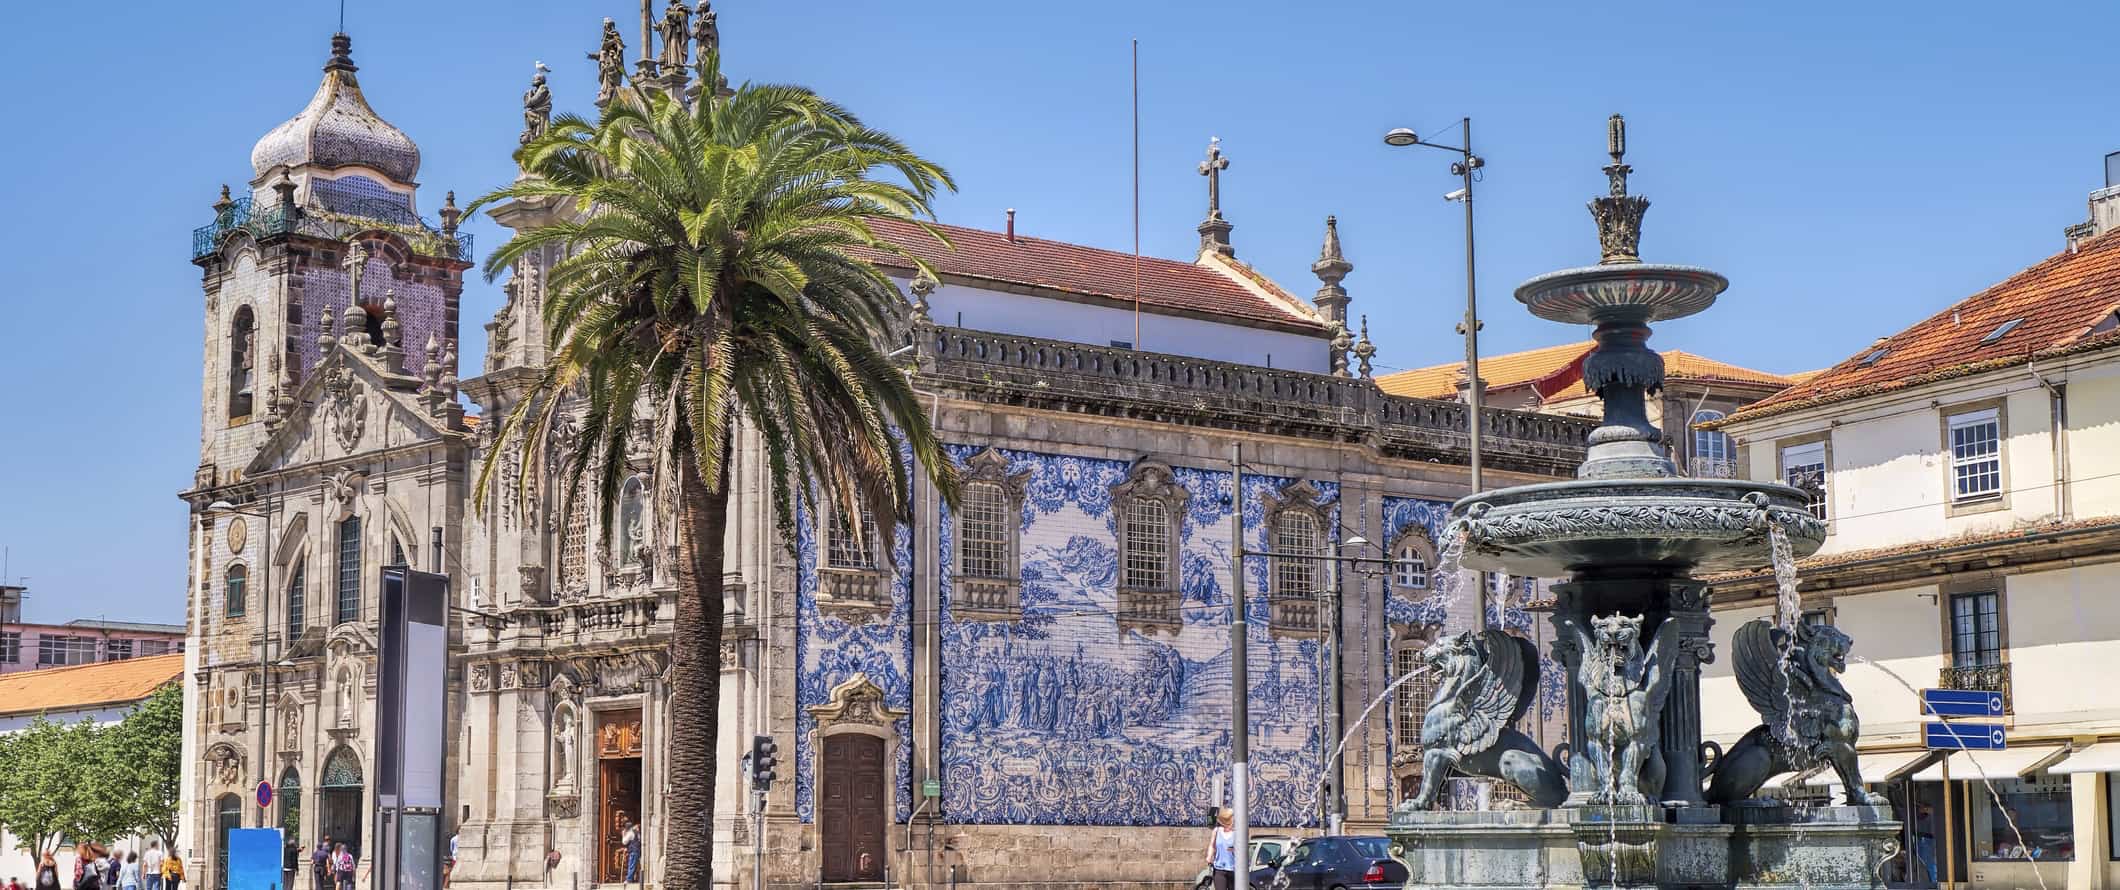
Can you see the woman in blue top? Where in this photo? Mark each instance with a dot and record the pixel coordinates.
(1222, 852)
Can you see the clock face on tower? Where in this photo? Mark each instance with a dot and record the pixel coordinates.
(238, 534)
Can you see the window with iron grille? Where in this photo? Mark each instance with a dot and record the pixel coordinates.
(11, 647)
(233, 595)
(983, 534)
(295, 597)
(1296, 534)
(1411, 701)
(1711, 448)
(1409, 570)
(574, 548)
(848, 549)
(1976, 629)
(1147, 545)
(117, 650)
(1804, 466)
(349, 590)
(1976, 455)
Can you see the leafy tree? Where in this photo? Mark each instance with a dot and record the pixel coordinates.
(715, 268)
(147, 750)
(59, 784)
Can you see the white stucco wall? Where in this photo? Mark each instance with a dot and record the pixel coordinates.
(2094, 441)
(1008, 313)
(2064, 633)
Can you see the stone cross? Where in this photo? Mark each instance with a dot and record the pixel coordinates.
(1212, 169)
(356, 263)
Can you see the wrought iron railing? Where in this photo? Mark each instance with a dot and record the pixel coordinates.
(352, 218)
(1980, 677)
(1714, 468)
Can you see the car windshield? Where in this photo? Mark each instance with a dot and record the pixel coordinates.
(1268, 853)
(1371, 847)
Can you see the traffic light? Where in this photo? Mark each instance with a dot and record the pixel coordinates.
(763, 761)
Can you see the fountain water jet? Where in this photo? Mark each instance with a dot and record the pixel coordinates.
(1642, 808)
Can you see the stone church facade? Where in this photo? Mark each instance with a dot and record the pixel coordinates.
(1032, 687)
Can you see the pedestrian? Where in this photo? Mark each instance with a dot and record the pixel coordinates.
(88, 866)
(129, 873)
(113, 867)
(631, 837)
(14, 883)
(151, 866)
(47, 872)
(173, 871)
(1222, 851)
(320, 865)
(342, 867)
(449, 864)
(1925, 840)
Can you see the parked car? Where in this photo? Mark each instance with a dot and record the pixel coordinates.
(1344, 862)
(1266, 850)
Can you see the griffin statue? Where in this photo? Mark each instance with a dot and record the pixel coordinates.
(1488, 679)
(1624, 686)
(1793, 681)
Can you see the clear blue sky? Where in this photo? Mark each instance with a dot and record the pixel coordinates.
(1850, 167)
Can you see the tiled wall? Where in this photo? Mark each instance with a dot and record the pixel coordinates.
(422, 308)
(829, 651)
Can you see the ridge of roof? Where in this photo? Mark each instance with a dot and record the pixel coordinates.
(2055, 304)
(1026, 261)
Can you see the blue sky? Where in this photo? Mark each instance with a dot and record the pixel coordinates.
(1850, 167)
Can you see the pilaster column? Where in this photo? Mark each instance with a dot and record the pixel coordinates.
(1570, 621)
(1681, 717)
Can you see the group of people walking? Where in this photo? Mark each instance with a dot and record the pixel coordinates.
(331, 866)
(97, 868)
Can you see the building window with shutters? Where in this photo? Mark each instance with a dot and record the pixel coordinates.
(1974, 436)
(234, 598)
(1150, 506)
(348, 607)
(1803, 466)
(1298, 537)
(989, 577)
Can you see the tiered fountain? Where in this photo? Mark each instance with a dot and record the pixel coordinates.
(1635, 799)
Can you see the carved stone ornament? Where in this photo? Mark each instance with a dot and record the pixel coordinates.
(481, 677)
(563, 806)
(290, 727)
(857, 701)
(346, 403)
(345, 490)
(226, 764)
(238, 532)
(1632, 521)
(509, 678)
(618, 675)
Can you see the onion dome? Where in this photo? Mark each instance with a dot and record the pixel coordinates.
(338, 129)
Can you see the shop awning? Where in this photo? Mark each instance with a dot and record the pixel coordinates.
(2103, 757)
(1993, 765)
(1887, 767)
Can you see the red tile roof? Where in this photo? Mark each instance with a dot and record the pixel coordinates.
(2055, 304)
(89, 685)
(1557, 372)
(1166, 285)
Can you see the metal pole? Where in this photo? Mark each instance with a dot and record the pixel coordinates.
(1335, 805)
(1239, 678)
(1950, 828)
(1475, 389)
(758, 841)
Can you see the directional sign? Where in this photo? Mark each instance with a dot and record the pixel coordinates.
(1964, 736)
(1961, 703)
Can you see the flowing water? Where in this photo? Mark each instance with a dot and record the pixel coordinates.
(1788, 613)
(1449, 576)
(1334, 756)
(2006, 817)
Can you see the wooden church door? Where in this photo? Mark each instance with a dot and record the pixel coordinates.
(851, 817)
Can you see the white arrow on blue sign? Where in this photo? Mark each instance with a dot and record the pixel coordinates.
(1964, 736)
(1961, 703)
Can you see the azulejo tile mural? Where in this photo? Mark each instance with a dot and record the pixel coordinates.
(830, 650)
(1065, 717)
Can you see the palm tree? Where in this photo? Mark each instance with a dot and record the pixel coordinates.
(715, 280)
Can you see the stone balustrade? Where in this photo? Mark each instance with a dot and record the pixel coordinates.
(1111, 381)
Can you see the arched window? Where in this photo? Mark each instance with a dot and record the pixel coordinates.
(1711, 448)
(233, 596)
(290, 796)
(1151, 508)
(242, 362)
(349, 587)
(632, 521)
(1411, 561)
(297, 598)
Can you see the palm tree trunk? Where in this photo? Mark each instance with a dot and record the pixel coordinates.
(695, 679)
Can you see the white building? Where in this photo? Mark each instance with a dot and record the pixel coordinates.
(1969, 470)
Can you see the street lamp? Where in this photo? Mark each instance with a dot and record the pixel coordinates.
(264, 627)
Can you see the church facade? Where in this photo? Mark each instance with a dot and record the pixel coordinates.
(1031, 687)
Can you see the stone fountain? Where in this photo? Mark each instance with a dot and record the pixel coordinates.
(1634, 799)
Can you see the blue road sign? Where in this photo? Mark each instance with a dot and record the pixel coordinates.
(1964, 736)
(1961, 703)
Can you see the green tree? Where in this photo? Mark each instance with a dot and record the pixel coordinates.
(59, 785)
(146, 750)
(715, 268)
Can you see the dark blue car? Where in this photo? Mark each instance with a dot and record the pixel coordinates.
(1346, 862)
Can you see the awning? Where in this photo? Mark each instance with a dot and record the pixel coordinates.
(1888, 767)
(2103, 757)
(1992, 765)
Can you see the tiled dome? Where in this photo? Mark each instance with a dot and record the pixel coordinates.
(338, 129)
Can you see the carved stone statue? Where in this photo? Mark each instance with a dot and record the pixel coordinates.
(563, 746)
(1810, 718)
(346, 691)
(610, 59)
(1624, 686)
(537, 107)
(706, 35)
(675, 29)
(1488, 680)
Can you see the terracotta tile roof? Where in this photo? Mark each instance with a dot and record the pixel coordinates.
(1073, 268)
(2055, 305)
(2023, 531)
(88, 685)
(1557, 373)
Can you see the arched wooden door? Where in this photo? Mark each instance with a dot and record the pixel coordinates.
(850, 812)
(227, 817)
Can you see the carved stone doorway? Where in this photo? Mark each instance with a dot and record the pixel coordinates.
(851, 820)
(618, 751)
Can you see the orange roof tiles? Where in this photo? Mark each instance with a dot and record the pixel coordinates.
(89, 685)
(1557, 372)
(1076, 269)
(1685, 366)
(2055, 303)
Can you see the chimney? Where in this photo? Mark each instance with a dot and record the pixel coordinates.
(2104, 207)
(1012, 225)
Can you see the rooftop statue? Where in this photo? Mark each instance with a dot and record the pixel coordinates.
(537, 107)
(610, 59)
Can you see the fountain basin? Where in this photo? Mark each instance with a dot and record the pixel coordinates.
(1645, 292)
(1677, 525)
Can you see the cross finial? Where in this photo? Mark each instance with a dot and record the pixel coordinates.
(356, 263)
(1214, 230)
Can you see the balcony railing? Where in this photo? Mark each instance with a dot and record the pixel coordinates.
(1980, 677)
(242, 216)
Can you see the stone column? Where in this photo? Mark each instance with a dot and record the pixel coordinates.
(2093, 842)
(1681, 718)
(1568, 616)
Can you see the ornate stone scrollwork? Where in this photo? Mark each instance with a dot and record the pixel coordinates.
(346, 403)
(858, 700)
(226, 763)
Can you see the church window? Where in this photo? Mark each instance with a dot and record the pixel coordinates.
(242, 361)
(1296, 534)
(295, 598)
(1150, 506)
(349, 599)
(1147, 545)
(232, 591)
(574, 547)
(397, 551)
(850, 586)
(1410, 702)
(851, 549)
(988, 585)
(632, 521)
(985, 532)
(1411, 562)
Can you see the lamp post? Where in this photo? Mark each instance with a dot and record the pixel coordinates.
(264, 626)
(1475, 389)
